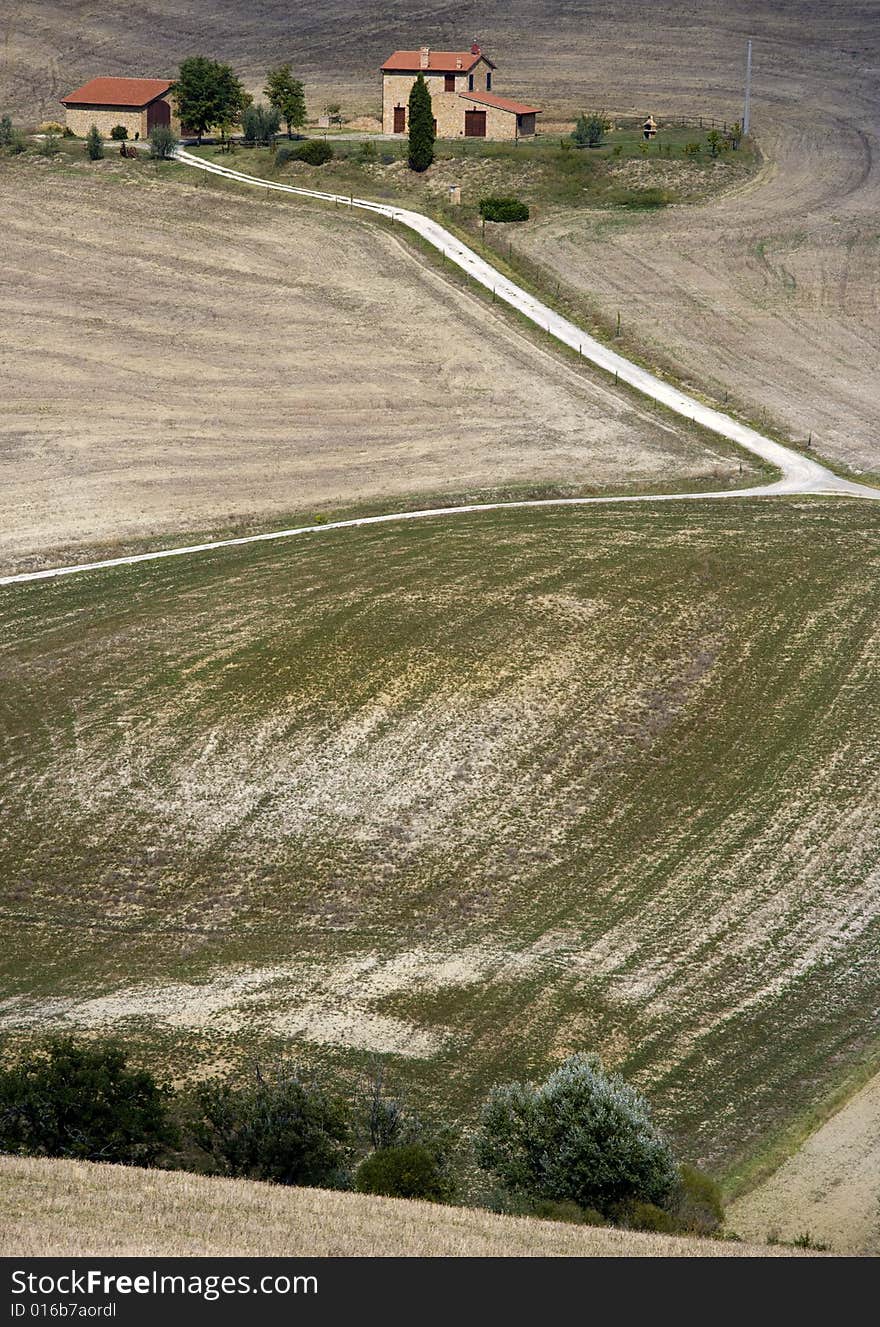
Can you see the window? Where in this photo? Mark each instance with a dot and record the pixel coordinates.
(489, 81)
(449, 83)
(470, 82)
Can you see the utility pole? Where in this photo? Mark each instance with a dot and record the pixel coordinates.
(747, 105)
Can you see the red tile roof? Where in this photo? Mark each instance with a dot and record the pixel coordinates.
(501, 103)
(439, 62)
(134, 92)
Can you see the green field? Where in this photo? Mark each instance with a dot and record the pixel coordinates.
(471, 793)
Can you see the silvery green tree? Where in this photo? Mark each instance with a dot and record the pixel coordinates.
(583, 1136)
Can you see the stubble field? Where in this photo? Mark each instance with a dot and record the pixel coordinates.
(70, 1209)
(191, 358)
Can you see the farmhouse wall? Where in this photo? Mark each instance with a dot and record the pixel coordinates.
(80, 119)
(448, 109)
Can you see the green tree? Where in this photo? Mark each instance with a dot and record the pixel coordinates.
(119, 133)
(713, 138)
(275, 1128)
(287, 95)
(260, 124)
(583, 1136)
(163, 141)
(421, 126)
(207, 95)
(590, 130)
(7, 133)
(94, 144)
(72, 1099)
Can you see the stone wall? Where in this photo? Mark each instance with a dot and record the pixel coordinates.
(448, 108)
(80, 119)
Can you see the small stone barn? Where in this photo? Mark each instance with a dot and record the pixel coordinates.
(462, 95)
(138, 103)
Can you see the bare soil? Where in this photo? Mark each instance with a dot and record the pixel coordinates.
(185, 358)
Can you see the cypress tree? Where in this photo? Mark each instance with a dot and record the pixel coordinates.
(421, 126)
(94, 145)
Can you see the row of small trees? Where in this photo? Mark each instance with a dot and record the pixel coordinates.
(210, 97)
(581, 1145)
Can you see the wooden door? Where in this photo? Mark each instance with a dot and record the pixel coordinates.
(158, 113)
(475, 124)
(400, 119)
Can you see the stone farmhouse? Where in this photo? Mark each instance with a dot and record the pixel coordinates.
(138, 103)
(465, 102)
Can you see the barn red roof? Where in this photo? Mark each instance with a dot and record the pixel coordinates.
(501, 103)
(135, 92)
(439, 62)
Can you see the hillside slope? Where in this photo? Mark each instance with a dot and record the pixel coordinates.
(769, 298)
(76, 1209)
(472, 795)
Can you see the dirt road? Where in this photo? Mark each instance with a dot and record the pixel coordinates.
(186, 359)
(799, 474)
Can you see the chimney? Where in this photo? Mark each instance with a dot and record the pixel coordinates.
(424, 57)
(475, 48)
(458, 62)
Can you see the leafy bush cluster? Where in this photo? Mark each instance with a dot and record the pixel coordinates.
(581, 1147)
(590, 130)
(163, 141)
(71, 1099)
(314, 152)
(503, 209)
(119, 133)
(260, 124)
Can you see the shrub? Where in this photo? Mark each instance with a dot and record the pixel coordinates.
(645, 1216)
(692, 149)
(48, 145)
(367, 152)
(275, 1128)
(81, 1100)
(260, 124)
(119, 133)
(7, 133)
(566, 1211)
(409, 1170)
(314, 152)
(696, 1204)
(590, 130)
(163, 141)
(52, 127)
(94, 145)
(503, 209)
(583, 1136)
